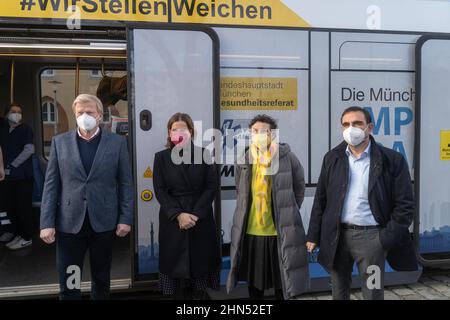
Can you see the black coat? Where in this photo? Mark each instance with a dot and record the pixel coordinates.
(390, 199)
(190, 188)
(3, 136)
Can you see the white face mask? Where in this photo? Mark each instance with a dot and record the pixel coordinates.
(354, 136)
(15, 117)
(86, 122)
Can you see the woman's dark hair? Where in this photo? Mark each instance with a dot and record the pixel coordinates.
(9, 107)
(358, 109)
(265, 119)
(179, 117)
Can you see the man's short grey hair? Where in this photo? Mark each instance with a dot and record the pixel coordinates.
(84, 98)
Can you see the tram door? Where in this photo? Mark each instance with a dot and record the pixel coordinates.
(432, 150)
(171, 70)
(45, 79)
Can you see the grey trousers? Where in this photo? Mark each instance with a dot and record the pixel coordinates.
(364, 248)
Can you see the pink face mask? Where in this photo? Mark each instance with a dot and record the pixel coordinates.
(180, 139)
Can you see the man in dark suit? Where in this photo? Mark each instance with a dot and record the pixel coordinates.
(87, 199)
(362, 210)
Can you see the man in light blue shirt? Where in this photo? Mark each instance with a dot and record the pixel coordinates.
(360, 233)
(355, 175)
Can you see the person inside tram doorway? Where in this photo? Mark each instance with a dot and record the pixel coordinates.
(268, 245)
(87, 199)
(186, 184)
(362, 210)
(18, 188)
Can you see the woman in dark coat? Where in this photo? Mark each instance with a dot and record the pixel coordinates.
(18, 188)
(189, 256)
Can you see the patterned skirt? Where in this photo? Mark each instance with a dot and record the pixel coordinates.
(168, 286)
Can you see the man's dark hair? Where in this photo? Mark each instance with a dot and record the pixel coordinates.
(358, 109)
(8, 107)
(265, 119)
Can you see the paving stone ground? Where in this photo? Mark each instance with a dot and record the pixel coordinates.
(429, 287)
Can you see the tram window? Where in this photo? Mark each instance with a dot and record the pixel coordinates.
(58, 93)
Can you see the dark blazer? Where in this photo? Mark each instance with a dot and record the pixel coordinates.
(189, 188)
(106, 193)
(390, 199)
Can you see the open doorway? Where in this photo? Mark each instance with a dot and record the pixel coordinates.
(45, 80)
